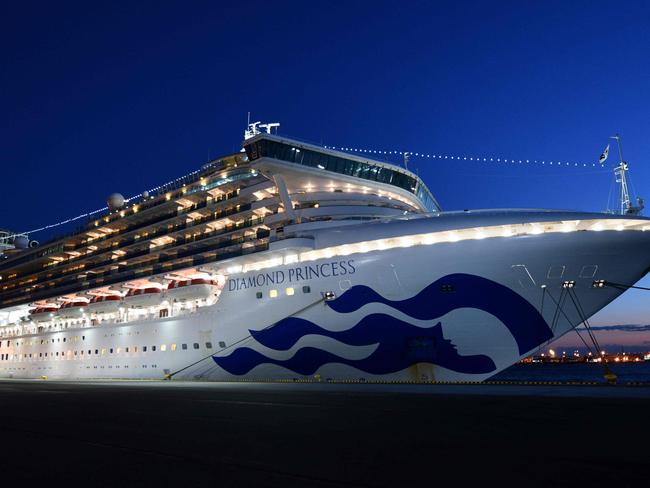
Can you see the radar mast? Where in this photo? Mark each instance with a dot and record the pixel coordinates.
(620, 172)
(253, 128)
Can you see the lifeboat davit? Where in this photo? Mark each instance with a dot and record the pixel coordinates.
(143, 297)
(105, 304)
(43, 314)
(72, 310)
(187, 290)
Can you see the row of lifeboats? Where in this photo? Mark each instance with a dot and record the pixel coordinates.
(148, 296)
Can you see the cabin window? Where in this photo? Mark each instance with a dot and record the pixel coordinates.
(208, 345)
(306, 289)
(153, 348)
(259, 294)
(164, 312)
(290, 291)
(163, 347)
(195, 345)
(273, 293)
(183, 347)
(173, 347)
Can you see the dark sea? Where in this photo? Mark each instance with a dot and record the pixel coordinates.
(626, 372)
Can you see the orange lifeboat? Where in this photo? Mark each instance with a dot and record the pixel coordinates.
(188, 290)
(105, 304)
(143, 297)
(72, 309)
(44, 313)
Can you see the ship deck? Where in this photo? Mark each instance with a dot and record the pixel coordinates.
(151, 433)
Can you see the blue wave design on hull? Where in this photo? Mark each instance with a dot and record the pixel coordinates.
(400, 344)
(524, 322)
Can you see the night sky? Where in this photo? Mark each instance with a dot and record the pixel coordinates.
(127, 95)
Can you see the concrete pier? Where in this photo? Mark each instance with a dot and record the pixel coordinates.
(310, 435)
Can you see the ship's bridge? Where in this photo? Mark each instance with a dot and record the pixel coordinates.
(312, 168)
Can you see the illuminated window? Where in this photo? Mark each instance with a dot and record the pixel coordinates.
(103, 350)
(163, 347)
(173, 347)
(273, 293)
(290, 291)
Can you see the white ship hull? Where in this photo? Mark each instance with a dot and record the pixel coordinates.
(448, 311)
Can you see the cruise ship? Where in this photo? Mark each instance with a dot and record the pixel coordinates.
(292, 261)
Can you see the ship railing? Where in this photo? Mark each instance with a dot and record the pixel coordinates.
(180, 241)
(158, 268)
(206, 169)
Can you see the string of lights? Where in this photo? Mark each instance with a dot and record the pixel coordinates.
(425, 155)
(151, 191)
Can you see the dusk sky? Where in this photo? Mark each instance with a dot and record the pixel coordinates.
(127, 95)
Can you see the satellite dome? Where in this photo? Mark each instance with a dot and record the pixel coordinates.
(145, 194)
(21, 242)
(115, 201)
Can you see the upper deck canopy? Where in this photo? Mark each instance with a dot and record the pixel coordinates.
(271, 146)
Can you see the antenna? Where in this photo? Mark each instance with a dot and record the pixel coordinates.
(253, 128)
(269, 126)
(406, 160)
(620, 172)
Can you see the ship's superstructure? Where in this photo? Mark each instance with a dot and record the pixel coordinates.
(291, 260)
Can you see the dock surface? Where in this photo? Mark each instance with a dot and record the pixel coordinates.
(138, 433)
